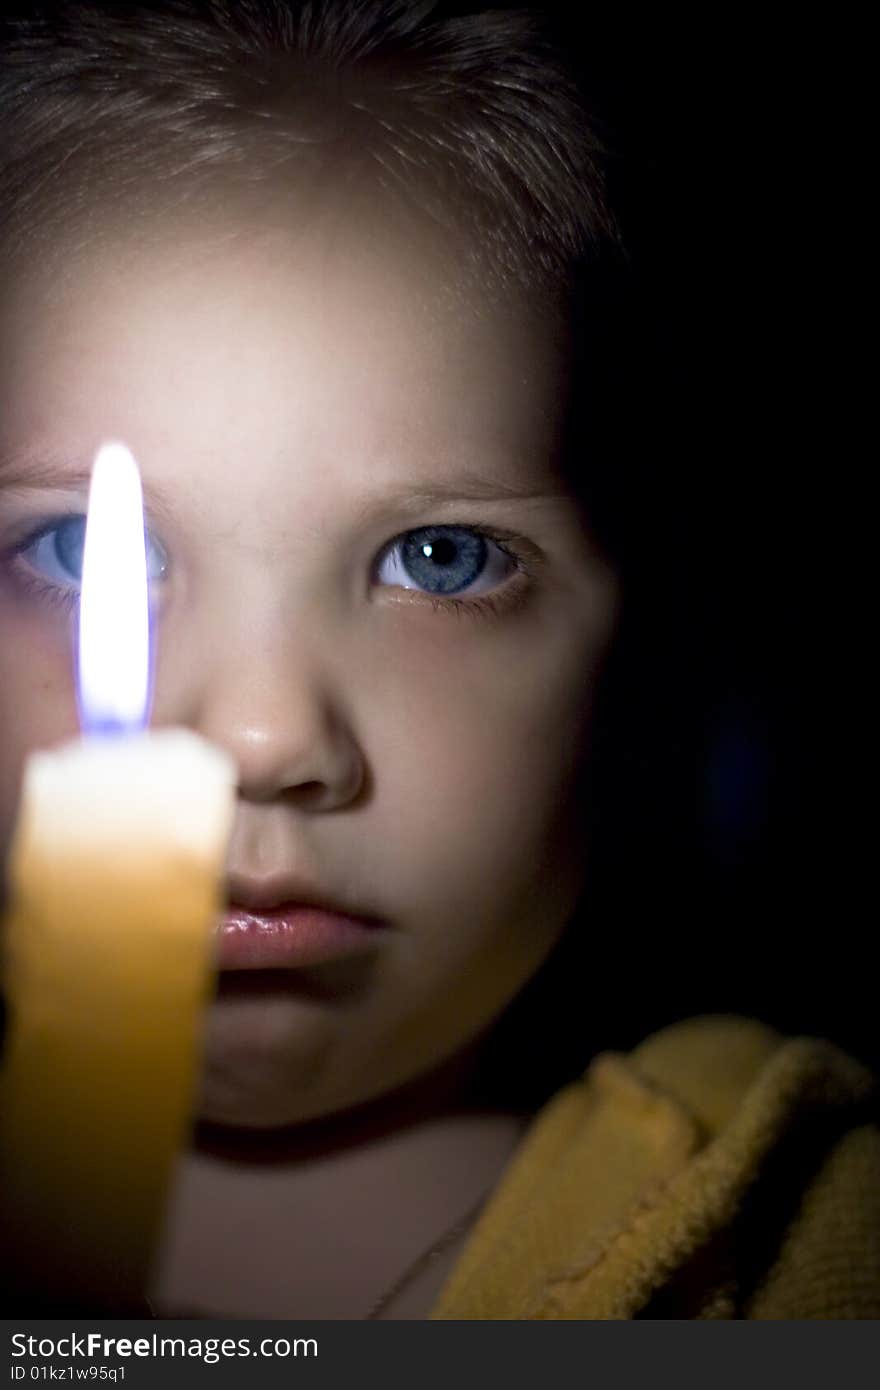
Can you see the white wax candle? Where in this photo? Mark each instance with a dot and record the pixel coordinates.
(115, 879)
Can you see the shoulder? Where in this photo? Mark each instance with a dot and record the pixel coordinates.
(787, 1172)
(722, 1066)
(792, 1124)
(718, 1170)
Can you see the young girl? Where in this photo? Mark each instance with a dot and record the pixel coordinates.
(334, 272)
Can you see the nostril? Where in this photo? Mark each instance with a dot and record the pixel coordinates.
(292, 762)
(309, 792)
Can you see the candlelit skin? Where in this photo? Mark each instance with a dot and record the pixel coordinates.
(295, 405)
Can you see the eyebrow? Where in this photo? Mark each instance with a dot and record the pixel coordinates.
(473, 489)
(468, 488)
(25, 472)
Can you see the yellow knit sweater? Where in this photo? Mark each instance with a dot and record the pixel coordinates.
(719, 1170)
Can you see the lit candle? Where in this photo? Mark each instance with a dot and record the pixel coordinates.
(115, 876)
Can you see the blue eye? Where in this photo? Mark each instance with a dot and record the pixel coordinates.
(56, 553)
(443, 560)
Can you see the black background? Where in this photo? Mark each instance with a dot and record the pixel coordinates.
(714, 885)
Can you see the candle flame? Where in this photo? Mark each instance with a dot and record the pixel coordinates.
(114, 632)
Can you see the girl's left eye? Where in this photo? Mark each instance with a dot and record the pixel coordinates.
(445, 560)
(55, 554)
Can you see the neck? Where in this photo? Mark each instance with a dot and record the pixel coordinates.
(258, 1219)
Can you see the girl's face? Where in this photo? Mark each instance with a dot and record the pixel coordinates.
(371, 589)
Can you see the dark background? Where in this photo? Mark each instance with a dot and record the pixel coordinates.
(714, 886)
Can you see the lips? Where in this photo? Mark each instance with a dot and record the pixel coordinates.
(254, 936)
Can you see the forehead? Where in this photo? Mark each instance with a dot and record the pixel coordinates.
(231, 338)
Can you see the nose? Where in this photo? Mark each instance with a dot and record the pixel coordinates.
(276, 711)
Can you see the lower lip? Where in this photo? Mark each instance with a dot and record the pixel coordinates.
(289, 936)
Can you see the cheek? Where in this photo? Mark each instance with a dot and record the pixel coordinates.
(479, 769)
(37, 701)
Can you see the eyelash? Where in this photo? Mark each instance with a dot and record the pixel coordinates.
(509, 595)
(65, 599)
(31, 584)
(493, 604)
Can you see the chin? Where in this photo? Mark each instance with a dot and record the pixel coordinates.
(246, 1096)
(274, 1062)
(233, 1111)
(265, 1064)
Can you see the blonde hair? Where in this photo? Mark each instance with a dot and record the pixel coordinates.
(473, 119)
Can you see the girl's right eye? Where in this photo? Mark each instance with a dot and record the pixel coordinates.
(55, 554)
(446, 560)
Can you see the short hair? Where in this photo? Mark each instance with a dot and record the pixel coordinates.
(474, 119)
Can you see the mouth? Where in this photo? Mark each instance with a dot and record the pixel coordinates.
(259, 936)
